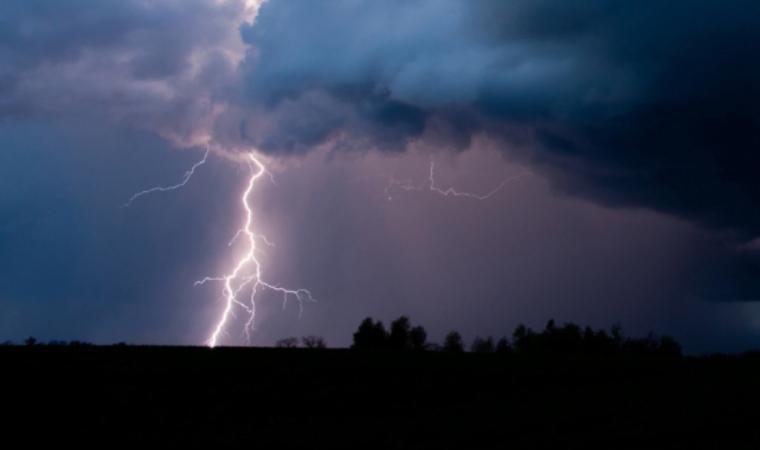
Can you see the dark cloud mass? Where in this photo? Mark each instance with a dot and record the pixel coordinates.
(628, 103)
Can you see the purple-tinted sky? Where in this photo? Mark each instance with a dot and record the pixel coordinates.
(634, 123)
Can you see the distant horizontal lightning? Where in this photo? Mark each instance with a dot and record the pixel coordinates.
(408, 186)
(185, 179)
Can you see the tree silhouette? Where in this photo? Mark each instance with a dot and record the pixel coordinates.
(641, 346)
(30, 341)
(370, 335)
(418, 338)
(597, 342)
(520, 332)
(524, 339)
(432, 347)
(669, 347)
(402, 336)
(313, 342)
(617, 334)
(561, 340)
(503, 347)
(480, 345)
(399, 338)
(453, 343)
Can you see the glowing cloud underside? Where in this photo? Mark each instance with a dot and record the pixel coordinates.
(246, 277)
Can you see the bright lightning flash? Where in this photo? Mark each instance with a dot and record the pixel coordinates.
(407, 186)
(247, 272)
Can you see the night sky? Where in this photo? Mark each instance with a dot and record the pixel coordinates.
(632, 124)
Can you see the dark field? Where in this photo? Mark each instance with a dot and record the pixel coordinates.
(124, 395)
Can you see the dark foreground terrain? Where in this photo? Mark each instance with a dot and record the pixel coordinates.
(124, 395)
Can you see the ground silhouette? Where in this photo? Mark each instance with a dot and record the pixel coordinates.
(562, 387)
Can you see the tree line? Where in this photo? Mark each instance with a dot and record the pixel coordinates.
(566, 339)
(32, 341)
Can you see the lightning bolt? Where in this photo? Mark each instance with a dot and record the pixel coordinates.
(408, 186)
(247, 272)
(185, 179)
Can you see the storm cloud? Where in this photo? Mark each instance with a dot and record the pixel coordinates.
(626, 103)
(167, 66)
(637, 118)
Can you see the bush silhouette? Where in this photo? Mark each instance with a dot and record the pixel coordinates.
(291, 342)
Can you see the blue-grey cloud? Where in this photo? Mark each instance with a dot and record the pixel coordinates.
(158, 65)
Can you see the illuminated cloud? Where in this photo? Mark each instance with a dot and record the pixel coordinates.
(168, 66)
